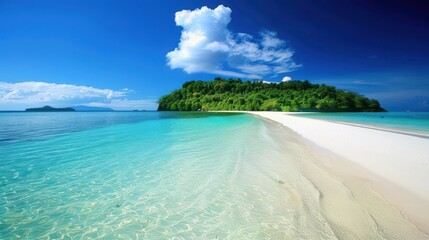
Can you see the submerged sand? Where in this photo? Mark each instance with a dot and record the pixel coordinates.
(371, 184)
(195, 178)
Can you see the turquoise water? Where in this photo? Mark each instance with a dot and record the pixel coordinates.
(417, 122)
(140, 176)
(150, 175)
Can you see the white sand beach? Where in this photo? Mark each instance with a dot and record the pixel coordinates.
(394, 165)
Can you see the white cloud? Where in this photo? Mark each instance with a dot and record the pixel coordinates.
(270, 40)
(39, 92)
(268, 82)
(286, 79)
(206, 45)
(255, 69)
(14, 96)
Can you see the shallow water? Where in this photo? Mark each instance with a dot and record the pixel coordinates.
(417, 122)
(170, 176)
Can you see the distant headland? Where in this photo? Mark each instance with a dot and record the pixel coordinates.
(290, 96)
(82, 108)
(79, 108)
(50, 109)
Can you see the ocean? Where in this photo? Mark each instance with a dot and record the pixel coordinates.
(167, 175)
(414, 122)
(129, 175)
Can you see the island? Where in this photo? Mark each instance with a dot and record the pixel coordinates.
(83, 108)
(50, 109)
(291, 96)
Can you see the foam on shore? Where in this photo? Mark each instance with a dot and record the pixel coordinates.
(394, 165)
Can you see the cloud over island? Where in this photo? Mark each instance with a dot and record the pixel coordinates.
(207, 46)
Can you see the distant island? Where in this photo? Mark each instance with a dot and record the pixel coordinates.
(82, 108)
(50, 109)
(79, 108)
(291, 96)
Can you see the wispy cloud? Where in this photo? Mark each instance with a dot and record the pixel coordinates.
(206, 45)
(24, 94)
(39, 92)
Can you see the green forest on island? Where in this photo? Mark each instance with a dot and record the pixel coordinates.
(290, 96)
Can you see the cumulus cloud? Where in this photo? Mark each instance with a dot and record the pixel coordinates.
(286, 79)
(20, 95)
(206, 45)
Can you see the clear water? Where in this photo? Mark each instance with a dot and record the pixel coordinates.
(139, 176)
(417, 122)
(150, 175)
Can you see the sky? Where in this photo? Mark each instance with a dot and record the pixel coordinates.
(127, 54)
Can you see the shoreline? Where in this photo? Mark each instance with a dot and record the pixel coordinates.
(391, 130)
(393, 162)
(373, 127)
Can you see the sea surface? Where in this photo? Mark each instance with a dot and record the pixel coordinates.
(415, 122)
(137, 175)
(166, 175)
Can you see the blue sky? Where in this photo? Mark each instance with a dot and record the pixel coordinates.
(126, 54)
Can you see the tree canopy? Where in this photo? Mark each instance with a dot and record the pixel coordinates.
(291, 96)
